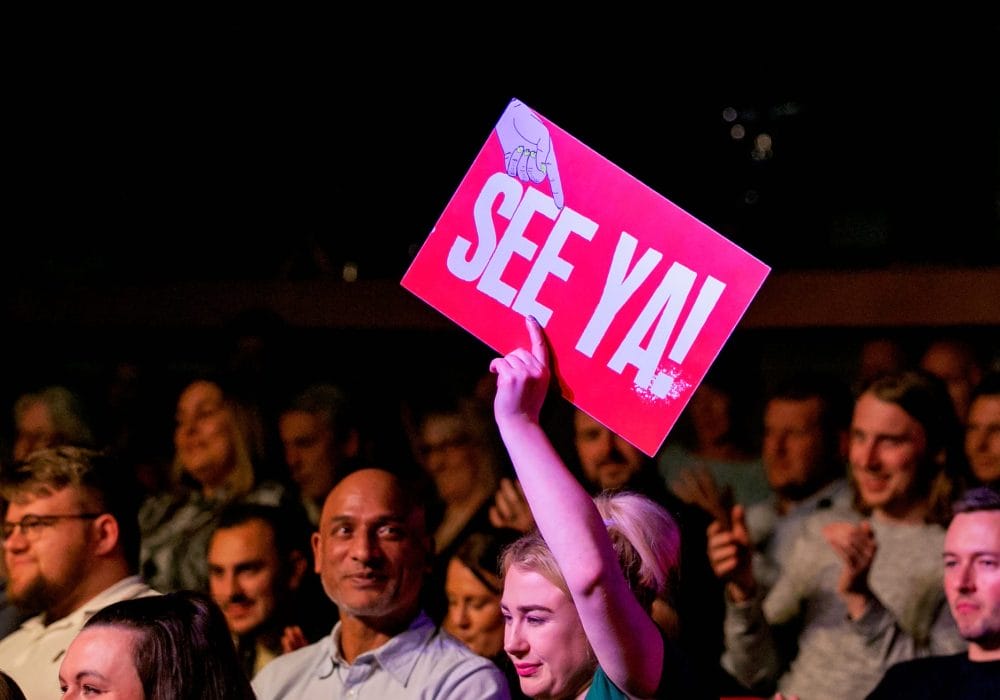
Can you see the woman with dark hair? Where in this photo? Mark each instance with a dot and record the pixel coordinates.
(156, 648)
(472, 586)
(9, 689)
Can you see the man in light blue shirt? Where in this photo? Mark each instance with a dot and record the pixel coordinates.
(372, 552)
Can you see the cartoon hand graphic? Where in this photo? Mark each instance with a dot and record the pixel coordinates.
(527, 148)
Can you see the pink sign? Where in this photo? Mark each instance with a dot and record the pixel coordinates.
(636, 296)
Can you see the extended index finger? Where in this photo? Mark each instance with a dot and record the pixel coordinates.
(538, 347)
(555, 181)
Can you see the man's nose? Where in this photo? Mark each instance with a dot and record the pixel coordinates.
(967, 580)
(364, 546)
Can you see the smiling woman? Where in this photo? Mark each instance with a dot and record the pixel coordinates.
(213, 467)
(155, 648)
(577, 593)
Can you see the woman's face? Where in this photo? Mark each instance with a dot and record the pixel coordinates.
(99, 663)
(473, 611)
(203, 437)
(544, 638)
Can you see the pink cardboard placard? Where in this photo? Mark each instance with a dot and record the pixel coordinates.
(637, 297)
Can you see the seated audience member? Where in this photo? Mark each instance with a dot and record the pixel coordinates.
(982, 433)
(804, 450)
(455, 451)
(861, 588)
(9, 689)
(972, 584)
(879, 355)
(50, 417)
(578, 592)
(372, 553)
(71, 547)
(319, 433)
(260, 575)
(472, 586)
(958, 364)
(161, 648)
(213, 467)
(606, 462)
(712, 435)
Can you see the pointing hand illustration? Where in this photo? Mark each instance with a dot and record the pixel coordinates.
(527, 148)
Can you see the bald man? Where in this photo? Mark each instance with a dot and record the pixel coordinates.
(372, 552)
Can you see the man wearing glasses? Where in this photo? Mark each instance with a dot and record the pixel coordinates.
(71, 547)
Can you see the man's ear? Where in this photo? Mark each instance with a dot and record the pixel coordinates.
(317, 551)
(108, 534)
(297, 565)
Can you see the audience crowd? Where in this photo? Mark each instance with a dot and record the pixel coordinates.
(819, 535)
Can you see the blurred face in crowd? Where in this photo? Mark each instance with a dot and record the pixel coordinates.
(473, 610)
(449, 454)
(99, 662)
(246, 576)
(957, 367)
(371, 550)
(310, 452)
(710, 414)
(607, 459)
(794, 449)
(204, 434)
(544, 637)
(982, 437)
(972, 580)
(46, 564)
(35, 430)
(887, 447)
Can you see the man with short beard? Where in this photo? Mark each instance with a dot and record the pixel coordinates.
(71, 547)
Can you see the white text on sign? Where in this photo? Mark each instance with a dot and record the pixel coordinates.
(663, 309)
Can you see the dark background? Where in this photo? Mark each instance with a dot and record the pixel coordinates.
(239, 147)
(251, 145)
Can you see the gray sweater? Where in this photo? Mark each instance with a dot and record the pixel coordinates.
(838, 658)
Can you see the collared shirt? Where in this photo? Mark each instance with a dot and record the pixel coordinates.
(31, 655)
(421, 662)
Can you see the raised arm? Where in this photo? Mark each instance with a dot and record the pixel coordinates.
(624, 637)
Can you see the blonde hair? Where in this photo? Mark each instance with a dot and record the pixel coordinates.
(241, 479)
(644, 536)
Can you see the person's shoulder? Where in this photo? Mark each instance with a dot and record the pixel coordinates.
(450, 655)
(294, 665)
(920, 677)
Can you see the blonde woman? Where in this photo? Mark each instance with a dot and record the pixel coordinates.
(577, 593)
(212, 467)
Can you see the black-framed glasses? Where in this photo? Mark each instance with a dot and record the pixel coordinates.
(33, 525)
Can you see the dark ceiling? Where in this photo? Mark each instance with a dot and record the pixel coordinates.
(284, 147)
